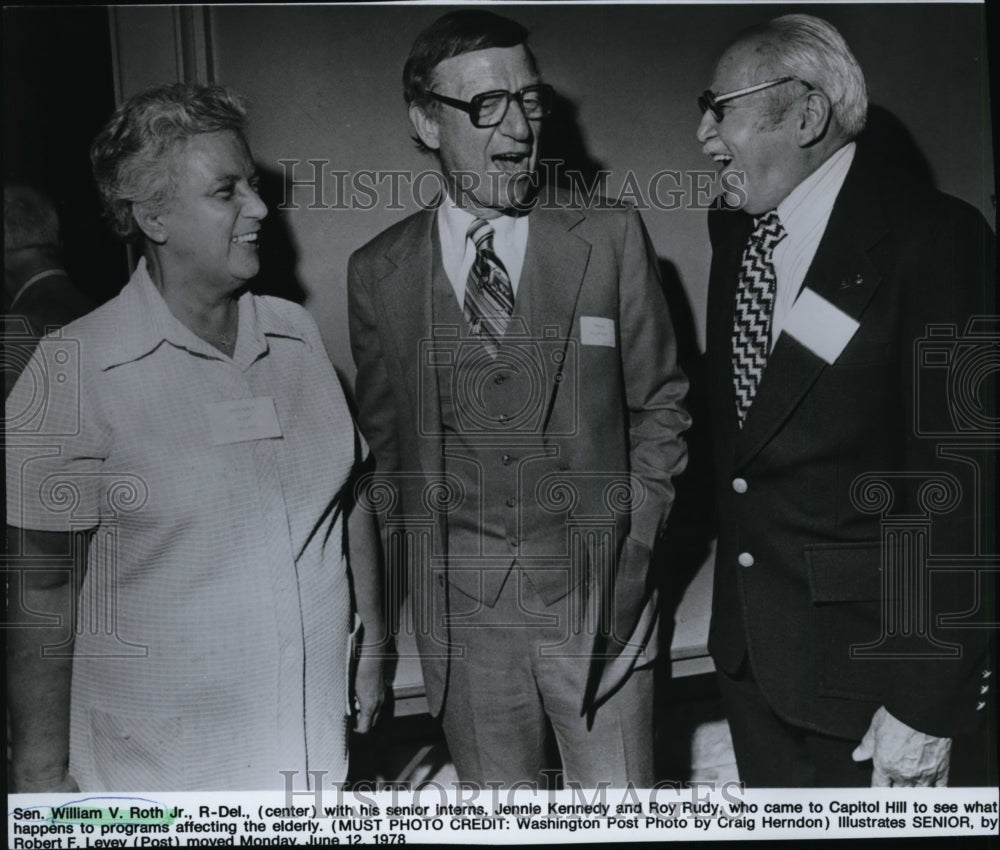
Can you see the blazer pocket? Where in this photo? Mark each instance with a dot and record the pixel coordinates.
(845, 572)
(845, 585)
(138, 752)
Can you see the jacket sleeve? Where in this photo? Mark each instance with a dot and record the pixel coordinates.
(950, 397)
(376, 404)
(655, 386)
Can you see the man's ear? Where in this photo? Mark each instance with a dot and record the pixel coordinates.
(150, 222)
(814, 118)
(426, 126)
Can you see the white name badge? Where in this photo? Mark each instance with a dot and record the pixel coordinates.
(242, 420)
(819, 326)
(595, 330)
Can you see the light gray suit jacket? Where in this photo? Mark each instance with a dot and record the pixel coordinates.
(614, 410)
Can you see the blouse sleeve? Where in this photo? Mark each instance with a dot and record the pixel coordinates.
(53, 448)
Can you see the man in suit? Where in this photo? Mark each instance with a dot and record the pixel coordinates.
(822, 287)
(38, 293)
(517, 382)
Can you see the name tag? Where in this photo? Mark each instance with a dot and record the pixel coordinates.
(595, 330)
(242, 420)
(822, 328)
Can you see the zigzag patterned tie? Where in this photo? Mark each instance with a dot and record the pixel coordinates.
(754, 305)
(489, 297)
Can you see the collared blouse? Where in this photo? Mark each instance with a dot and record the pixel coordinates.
(212, 630)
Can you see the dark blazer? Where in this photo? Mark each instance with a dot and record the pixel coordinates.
(609, 409)
(896, 258)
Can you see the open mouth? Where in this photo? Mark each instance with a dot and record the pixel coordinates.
(246, 238)
(511, 162)
(722, 159)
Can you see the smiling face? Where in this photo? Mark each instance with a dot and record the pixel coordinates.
(748, 141)
(208, 232)
(489, 169)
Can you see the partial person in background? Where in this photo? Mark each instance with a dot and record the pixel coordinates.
(191, 459)
(36, 286)
(821, 288)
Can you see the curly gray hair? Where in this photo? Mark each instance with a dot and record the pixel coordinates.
(131, 157)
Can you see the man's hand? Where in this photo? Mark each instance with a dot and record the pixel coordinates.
(901, 755)
(369, 691)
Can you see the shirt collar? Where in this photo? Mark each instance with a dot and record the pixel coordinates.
(455, 223)
(144, 322)
(811, 202)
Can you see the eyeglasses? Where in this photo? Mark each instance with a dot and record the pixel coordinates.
(489, 108)
(713, 102)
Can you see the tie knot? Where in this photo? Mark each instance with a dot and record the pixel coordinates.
(481, 233)
(768, 230)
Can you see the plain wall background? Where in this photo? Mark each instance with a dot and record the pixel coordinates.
(324, 83)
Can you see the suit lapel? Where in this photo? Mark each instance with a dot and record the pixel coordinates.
(844, 273)
(555, 262)
(406, 292)
(727, 255)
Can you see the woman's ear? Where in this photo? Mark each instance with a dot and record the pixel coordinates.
(150, 221)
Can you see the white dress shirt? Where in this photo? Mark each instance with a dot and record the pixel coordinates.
(510, 241)
(804, 214)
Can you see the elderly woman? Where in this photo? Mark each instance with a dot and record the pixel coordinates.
(193, 439)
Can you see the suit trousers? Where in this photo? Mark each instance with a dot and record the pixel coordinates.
(518, 669)
(771, 753)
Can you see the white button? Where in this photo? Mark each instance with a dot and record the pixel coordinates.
(740, 485)
(745, 559)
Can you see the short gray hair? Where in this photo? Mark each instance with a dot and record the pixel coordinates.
(132, 157)
(30, 220)
(813, 50)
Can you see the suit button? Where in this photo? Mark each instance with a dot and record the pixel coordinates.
(510, 501)
(745, 559)
(506, 459)
(502, 418)
(499, 379)
(740, 485)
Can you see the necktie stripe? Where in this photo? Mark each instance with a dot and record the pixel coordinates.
(754, 306)
(489, 296)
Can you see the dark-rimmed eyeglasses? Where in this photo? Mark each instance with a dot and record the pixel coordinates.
(489, 108)
(710, 102)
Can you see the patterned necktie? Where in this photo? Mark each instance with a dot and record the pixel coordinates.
(489, 297)
(754, 305)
